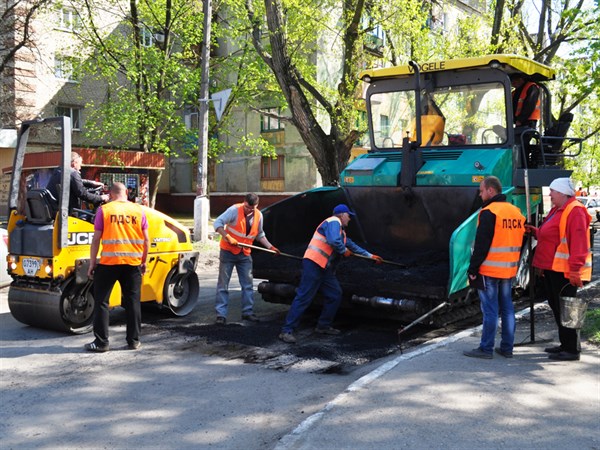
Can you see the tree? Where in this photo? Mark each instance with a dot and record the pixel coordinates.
(150, 61)
(146, 56)
(16, 34)
(285, 34)
(324, 110)
(15, 27)
(564, 35)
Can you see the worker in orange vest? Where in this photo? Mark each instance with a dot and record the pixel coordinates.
(328, 243)
(564, 257)
(122, 228)
(525, 100)
(526, 113)
(241, 223)
(493, 266)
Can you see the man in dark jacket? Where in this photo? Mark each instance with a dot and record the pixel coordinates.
(78, 187)
(494, 264)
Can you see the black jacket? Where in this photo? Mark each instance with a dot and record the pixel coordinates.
(484, 236)
(78, 190)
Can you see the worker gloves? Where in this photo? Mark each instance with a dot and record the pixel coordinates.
(348, 253)
(231, 240)
(275, 249)
(377, 259)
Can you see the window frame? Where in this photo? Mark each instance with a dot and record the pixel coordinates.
(147, 37)
(73, 21)
(268, 119)
(75, 124)
(63, 68)
(279, 161)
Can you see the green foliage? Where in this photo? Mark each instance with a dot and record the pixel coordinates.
(591, 326)
(567, 40)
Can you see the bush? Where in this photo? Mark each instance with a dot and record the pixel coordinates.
(591, 327)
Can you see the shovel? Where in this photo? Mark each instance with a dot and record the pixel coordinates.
(404, 266)
(262, 249)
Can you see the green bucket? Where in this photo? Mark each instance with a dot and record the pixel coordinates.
(572, 312)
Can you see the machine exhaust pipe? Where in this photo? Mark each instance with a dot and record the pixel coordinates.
(404, 305)
(277, 292)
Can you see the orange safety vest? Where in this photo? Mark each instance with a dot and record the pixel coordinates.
(535, 114)
(122, 237)
(502, 260)
(561, 257)
(318, 249)
(238, 231)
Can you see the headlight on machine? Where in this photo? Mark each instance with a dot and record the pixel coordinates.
(48, 267)
(12, 262)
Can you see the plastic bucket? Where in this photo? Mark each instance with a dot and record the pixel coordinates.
(572, 311)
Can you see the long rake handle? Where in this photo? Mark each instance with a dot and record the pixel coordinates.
(262, 249)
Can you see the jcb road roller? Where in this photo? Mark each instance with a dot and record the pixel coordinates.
(49, 248)
(435, 131)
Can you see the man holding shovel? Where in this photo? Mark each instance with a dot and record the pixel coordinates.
(329, 241)
(241, 223)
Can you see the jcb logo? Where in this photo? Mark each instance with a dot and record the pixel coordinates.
(80, 238)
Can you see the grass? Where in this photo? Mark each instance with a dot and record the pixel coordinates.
(591, 327)
(188, 219)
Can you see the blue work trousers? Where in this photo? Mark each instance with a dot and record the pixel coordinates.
(314, 280)
(497, 297)
(243, 266)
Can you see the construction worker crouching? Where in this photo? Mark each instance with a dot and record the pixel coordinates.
(329, 241)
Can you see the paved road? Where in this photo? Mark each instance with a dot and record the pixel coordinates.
(173, 394)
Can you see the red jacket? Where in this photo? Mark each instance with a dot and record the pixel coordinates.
(548, 238)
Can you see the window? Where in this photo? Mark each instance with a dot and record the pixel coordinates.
(384, 123)
(374, 38)
(270, 123)
(147, 37)
(191, 118)
(73, 112)
(69, 20)
(272, 167)
(63, 68)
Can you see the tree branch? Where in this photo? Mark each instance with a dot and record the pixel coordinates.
(256, 35)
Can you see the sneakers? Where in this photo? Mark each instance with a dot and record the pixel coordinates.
(95, 347)
(135, 345)
(555, 349)
(564, 356)
(250, 317)
(478, 353)
(221, 320)
(287, 337)
(327, 330)
(503, 353)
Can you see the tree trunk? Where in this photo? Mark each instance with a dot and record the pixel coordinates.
(153, 182)
(329, 151)
(499, 9)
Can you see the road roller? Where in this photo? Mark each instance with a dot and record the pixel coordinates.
(49, 248)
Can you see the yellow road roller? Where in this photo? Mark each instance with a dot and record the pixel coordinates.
(49, 249)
